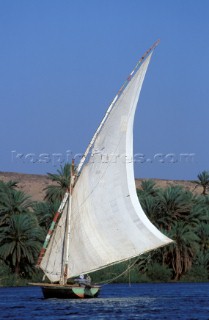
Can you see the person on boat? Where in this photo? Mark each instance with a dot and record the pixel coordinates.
(88, 279)
(84, 279)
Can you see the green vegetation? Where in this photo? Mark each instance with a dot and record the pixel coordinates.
(180, 214)
(61, 179)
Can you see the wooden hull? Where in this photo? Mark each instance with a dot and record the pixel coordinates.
(69, 291)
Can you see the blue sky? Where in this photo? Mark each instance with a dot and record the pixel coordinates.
(62, 62)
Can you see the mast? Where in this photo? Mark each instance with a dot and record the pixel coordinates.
(64, 273)
(113, 103)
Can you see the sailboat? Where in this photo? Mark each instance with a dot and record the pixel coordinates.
(100, 221)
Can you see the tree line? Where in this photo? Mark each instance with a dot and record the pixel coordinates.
(180, 214)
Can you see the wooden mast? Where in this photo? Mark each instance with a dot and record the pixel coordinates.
(64, 275)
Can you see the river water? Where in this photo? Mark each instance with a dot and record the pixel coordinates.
(116, 301)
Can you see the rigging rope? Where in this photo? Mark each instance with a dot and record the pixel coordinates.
(118, 276)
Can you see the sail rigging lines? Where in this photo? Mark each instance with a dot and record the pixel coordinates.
(118, 276)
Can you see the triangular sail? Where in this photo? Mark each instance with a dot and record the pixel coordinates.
(108, 224)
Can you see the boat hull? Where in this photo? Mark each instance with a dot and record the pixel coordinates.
(69, 291)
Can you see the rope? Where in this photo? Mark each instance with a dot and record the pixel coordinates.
(129, 267)
(111, 280)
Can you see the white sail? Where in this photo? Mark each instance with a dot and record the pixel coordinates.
(108, 224)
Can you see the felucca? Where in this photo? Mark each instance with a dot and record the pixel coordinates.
(100, 221)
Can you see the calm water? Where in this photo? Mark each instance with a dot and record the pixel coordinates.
(117, 301)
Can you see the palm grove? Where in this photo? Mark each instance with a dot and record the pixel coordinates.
(181, 214)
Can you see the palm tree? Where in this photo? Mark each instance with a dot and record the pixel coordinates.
(202, 231)
(174, 203)
(202, 259)
(203, 181)
(20, 242)
(61, 182)
(148, 195)
(149, 206)
(7, 186)
(200, 209)
(13, 202)
(183, 250)
(148, 188)
(45, 212)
